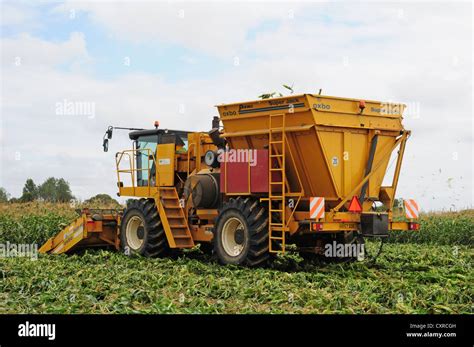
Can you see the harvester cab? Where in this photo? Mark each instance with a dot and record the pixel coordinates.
(305, 170)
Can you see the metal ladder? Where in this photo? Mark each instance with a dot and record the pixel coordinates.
(276, 200)
(173, 219)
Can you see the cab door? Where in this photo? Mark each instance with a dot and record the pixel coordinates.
(165, 164)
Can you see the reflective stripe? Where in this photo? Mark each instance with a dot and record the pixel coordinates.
(411, 209)
(316, 207)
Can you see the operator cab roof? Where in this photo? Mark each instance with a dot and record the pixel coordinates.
(162, 135)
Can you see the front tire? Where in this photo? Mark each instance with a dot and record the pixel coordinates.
(241, 233)
(141, 231)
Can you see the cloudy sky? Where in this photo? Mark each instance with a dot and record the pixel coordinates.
(135, 62)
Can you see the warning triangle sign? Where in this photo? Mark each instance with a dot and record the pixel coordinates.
(355, 206)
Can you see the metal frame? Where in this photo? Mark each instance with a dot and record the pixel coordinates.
(133, 190)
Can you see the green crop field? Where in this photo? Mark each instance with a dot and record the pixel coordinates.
(418, 272)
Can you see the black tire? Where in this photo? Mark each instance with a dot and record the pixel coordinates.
(252, 236)
(151, 232)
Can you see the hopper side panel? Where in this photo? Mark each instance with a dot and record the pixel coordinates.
(358, 154)
(316, 169)
(375, 182)
(332, 143)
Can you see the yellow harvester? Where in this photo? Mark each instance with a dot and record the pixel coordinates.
(303, 169)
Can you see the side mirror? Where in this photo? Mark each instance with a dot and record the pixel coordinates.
(109, 132)
(105, 144)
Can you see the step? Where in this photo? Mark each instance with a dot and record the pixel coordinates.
(280, 229)
(177, 226)
(181, 237)
(184, 241)
(276, 182)
(174, 207)
(276, 169)
(276, 155)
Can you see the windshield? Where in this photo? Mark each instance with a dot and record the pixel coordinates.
(143, 161)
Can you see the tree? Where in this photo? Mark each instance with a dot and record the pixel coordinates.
(55, 190)
(63, 191)
(102, 201)
(30, 191)
(47, 190)
(4, 196)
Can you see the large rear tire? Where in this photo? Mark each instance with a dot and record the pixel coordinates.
(241, 233)
(141, 231)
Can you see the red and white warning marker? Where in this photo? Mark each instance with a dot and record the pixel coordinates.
(316, 207)
(411, 209)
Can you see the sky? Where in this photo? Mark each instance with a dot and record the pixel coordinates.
(129, 63)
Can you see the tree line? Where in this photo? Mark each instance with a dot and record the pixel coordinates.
(51, 190)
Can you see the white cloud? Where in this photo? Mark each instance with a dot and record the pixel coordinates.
(16, 14)
(216, 28)
(29, 51)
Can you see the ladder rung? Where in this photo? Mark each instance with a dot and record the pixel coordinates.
(181, 236)
(276, 224)
(275, 142)
(182, 243)
(276, 182)
(172, 207)
(168, 197)
(276, 155)
(276, 169)
(177, 226)
(276, 238)
(276, 197)
(272, 210)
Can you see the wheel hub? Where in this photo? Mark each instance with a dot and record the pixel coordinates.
(233, 237)
(141, 232)
(135, 232)
(239, 236)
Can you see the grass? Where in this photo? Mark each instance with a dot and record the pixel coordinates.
(408, 278)
(427, 272)
(442, 228)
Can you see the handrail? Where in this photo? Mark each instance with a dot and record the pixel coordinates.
(132, 169)
(189, 157)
